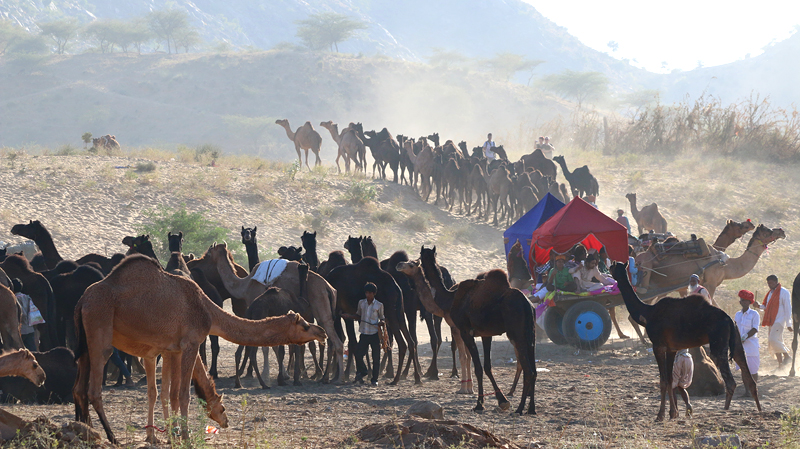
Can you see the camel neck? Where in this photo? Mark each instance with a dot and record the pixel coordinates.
(356, 255)
(49, 251)
(564, 168)
(235, 285)
(724, 240)
(288, 131)
(252, 253)
(10, 365)
(273, 331)
(639, 311)
(740, 266)
(444, 297)
(423, 289)
(334, 130)
(634, 211)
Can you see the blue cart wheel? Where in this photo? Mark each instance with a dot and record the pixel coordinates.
(587, 325)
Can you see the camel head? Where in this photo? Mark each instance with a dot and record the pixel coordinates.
(739, 229)
(175, 241)
(302, 332)
(352, 243)
(28, 366)
(516, 249)
(217, 251)
(409, 268)
(309, 240)
(283, 122)
(249, 235)
(326, 125)
(434, 138)
(427, 254)
(290, 253)
(31, 231)
(764, 235)
(630, 196)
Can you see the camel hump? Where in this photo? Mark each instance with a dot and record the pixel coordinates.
(496, 275)
(370, 262)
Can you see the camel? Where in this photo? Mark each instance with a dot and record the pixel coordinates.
(310, 245)
(67, 290)
(368, 248)
(680, 323)
(59, 369)
(539, 162)
(795, 319)
(251, 245)
(335, 259)
(477, 183)
(581, 181)
(385, 150)
(405, 161)
(22, 363)
(648, 218)
(423, 166)
(349, 281)
(485, 308)
(350, 145)
(319, 294)
(353, 245)
(146, 311)
(140, 245)
(36, 286)
(732, 232)
(499, 185)
(452, 176)
(9, 319)
(518, 274)
(305, 138)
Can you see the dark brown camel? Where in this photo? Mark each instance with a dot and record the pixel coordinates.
(581, 180)
(335, 259)
(310, 246)
(732, 232)
(67, 291)
(795, 319)
(36, 286)
(538, 161)
(368, 248)
(353, 245)
(405, 161)
(680, 323)
(140, 245)
(349, 281)
(251, 245)
(485, 308)
(385, 150)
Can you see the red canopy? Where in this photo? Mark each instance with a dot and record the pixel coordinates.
(579, 222)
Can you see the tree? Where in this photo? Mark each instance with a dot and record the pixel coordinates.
(166, 23)
(505, 65)
(579, 86)
(187, 38)
(327, 29)
(87, 138)
(441, 57)
(104, 32)
(61, 31)
(14, 39)
(613, 45)
(640, 98)
(250, 127)
(128, 34)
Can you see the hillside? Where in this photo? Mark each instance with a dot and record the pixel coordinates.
(157, 99)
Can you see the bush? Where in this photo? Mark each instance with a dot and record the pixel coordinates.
(207, 151)
(146, 166)
(360, 193)
(384, 216)
(198, 231)
(66, 150)
(417, 222)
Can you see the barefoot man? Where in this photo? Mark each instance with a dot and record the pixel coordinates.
(777, 308)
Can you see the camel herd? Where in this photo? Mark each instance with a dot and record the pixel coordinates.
(147, 310)
(460, 177)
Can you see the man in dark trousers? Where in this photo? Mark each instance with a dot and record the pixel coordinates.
(370, 317)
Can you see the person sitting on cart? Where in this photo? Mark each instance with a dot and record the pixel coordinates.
(586, 274)
(602, 261)
(579, 254)
(558, 279)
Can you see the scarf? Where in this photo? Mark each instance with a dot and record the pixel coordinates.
(772, 306)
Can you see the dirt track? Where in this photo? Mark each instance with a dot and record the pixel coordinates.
(604, 399)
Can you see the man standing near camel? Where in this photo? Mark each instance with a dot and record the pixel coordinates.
(370, 318)
(487, 148)
(777, 308)
(747, 320)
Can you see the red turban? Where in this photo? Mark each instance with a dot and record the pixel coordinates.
(747, 295)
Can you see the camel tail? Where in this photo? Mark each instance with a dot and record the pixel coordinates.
(530, 328)
(733, 342)
(302, 271)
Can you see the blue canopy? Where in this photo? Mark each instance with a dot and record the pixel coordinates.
(523, 228)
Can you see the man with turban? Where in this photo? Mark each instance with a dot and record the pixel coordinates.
(748, 320)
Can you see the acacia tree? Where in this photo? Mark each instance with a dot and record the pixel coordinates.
(167, 23)
(327, 29)
(505, 65)
(441, 57)
(104, 32)
(187, 38)
(61, 31)
(578, 86)
(10, 34)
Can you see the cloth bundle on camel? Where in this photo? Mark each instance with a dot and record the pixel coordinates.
(269, 270)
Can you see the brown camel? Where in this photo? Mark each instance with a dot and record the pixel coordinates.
(681, 323)
(477, 183)
(22, 363)
(648, 217)
(350, 145)
(305, 138)
(423, 166)
(499, 184)
(732, 232)
(146, 311)
(320, 295)
(9, 320)
(36, 286)
(485, 308)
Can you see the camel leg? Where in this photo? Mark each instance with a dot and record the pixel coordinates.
(453, 347)
(661, 358)
(612, 311)
(239, 369)
(487, 367)
(411, 319)
(299, 155)
(280, 352)
(80, 391)
(203, 352)
(338, 168)
(516, 376)
(214, 355)
(169, 363)
(638, 331)
(188, 359)
(252, 353)
(307, 166)
(352, 343)
(99, 351)
(794, 342)
(312, 348)
(436, 342)
(318, 161)
(411, 339)
(299, 354)
(469, 343)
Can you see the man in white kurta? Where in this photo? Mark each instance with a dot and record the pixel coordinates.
(748, 320)
(778, 316)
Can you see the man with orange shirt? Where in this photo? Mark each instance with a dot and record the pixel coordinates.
(777, 308)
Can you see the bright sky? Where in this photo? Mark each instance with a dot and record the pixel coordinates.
(678, 32)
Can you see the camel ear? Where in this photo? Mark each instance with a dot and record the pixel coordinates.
(242, 228)
(315, 233)
(421, 248)
(180, 234)
(169, 234)
(255, 228)
(434, 249)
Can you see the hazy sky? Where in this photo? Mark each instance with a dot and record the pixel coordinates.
(678, 32)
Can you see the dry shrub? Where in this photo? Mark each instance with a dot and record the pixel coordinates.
(417, 222)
